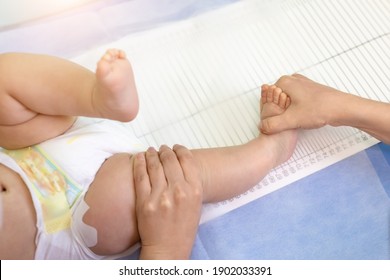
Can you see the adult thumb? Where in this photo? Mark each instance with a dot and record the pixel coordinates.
(276, 124)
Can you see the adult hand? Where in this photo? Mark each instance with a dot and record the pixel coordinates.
(313, 105)
(168, 202)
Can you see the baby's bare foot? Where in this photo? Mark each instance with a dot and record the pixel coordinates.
(275, 99)
(115, 95)
(274, 102)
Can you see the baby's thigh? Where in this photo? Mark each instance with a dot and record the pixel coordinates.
(33, 131)
(111, 200)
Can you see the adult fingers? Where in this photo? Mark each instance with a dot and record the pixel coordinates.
(141, 178)
(172, 169)
(191, 169)
(277, 124)
(156, 172)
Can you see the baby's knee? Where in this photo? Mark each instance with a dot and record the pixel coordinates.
(82, 231)
(111, 201)
(109, 235)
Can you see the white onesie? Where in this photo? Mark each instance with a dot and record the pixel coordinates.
(58, 173)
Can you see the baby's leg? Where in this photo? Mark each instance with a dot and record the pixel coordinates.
(275, 99)
(111, 201)
(115, 94)
(39, 95)
(230, 171)
(226, 172)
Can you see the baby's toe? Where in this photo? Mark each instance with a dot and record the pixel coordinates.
(276, 95)
(283, 100)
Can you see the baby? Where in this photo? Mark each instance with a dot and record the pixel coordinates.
(67, 186)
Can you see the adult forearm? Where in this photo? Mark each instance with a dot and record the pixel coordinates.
(370, 116)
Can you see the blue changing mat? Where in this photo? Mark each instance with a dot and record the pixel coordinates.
(341, 212)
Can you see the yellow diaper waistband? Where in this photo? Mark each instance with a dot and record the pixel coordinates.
(55, 191)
